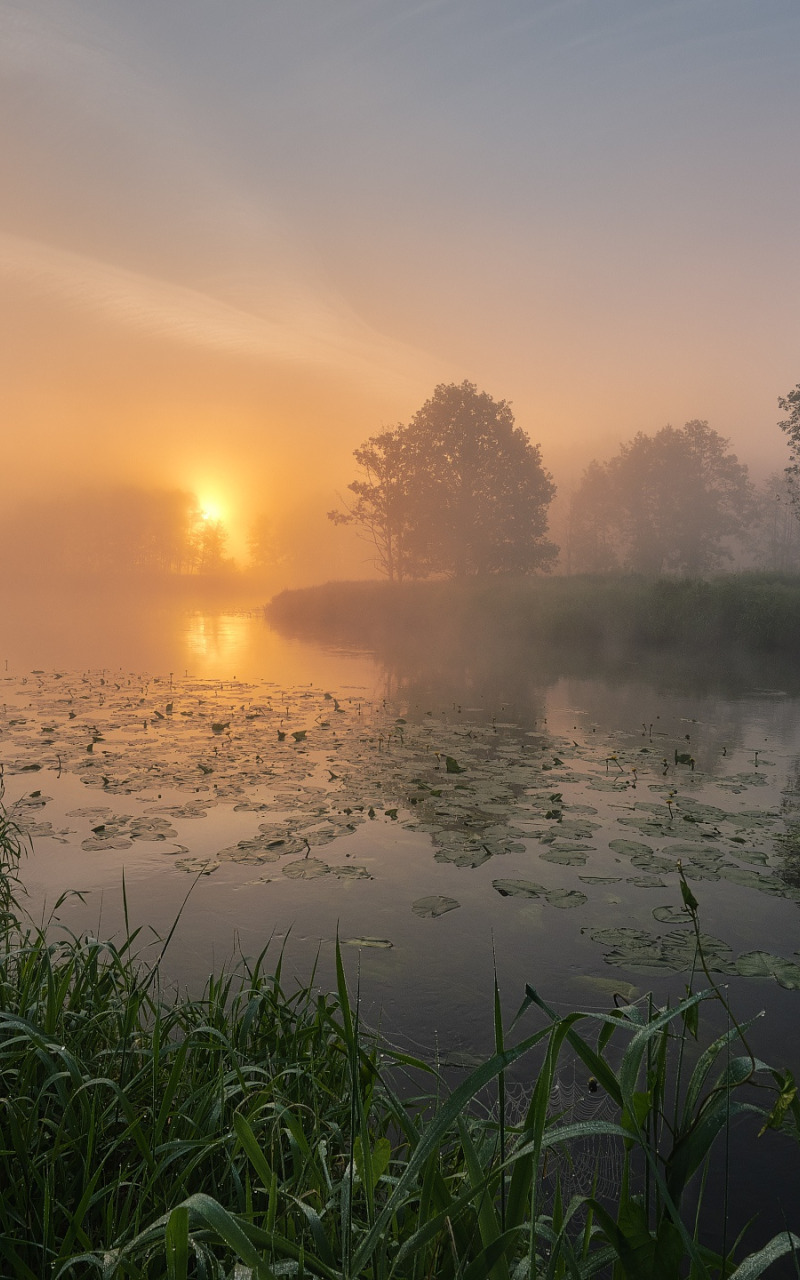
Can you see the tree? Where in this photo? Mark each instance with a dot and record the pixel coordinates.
(460, 491)
(209, 541)
(482, 492)
(775, 541)
(384, 502)
(791, 425)
(667, 503)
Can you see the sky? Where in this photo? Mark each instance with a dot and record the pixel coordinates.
(238, 237)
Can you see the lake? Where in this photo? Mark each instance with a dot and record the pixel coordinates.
(447, 815)
(441, 822)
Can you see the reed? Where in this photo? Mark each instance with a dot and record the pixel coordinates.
(259, 1132)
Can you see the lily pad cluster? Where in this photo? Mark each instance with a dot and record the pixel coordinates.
(645, 952)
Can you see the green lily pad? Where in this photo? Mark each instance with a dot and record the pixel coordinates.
(671, 914)
(762, 964)
(518, 889)
(564, 857)
(350, 873)
(752, 880)
(653, 862)
(435, 905)
(198, 866)
(645, 952)
(463, 855)
(306, 869)
(630, 848)
(565, 899)
(561, 898)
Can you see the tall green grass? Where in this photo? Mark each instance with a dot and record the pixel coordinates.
(259, 1132)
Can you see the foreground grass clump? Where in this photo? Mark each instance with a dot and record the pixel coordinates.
(255, 1133)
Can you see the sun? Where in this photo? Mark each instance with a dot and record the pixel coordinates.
(211, 509)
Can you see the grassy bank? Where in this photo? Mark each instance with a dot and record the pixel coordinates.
(259, 1131)
(605, 616)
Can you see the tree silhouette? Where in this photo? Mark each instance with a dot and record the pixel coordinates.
(384, 503)
(459, 491)
(664, 504)
(791, 425)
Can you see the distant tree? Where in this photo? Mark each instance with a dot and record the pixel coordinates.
(791, 425)
(262, 542)
(668, 503)
(775, 540)
(592, 543)
(459, 491)
(209, 542)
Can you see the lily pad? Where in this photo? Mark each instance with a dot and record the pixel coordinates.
(198, 866)
(518, 889)
(306, 869)
(641, 951)
(762, 964)
(564, 857)
(378, 944)
(671, 914)
(630, 848)
(435, 905)
(565, 899)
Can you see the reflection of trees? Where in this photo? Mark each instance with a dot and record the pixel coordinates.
(127, 531)
(721, 636)
(465, 681)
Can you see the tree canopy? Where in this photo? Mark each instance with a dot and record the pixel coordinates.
(791, 425)
(459, 491)
(666, 503)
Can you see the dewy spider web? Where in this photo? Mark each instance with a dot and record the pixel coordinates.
(592, 1165)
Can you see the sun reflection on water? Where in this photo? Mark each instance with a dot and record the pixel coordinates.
(216, 642)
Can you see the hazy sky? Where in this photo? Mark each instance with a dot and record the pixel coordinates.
(239, 236)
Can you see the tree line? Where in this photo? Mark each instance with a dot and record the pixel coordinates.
(460, 491)
(117, 530)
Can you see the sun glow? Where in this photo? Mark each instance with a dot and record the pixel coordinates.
(211, 510)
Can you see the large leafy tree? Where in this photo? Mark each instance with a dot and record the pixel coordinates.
(668, 503)
(459, 491)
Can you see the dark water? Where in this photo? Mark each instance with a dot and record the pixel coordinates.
(457, 815)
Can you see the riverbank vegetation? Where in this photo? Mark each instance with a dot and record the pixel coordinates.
(258, 1130)
(602, 616)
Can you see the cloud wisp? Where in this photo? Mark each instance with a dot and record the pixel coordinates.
(289, 325)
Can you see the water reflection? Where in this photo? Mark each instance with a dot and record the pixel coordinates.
(217, 643)
(116, 632)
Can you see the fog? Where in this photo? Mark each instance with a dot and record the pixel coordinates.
(238, 241)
